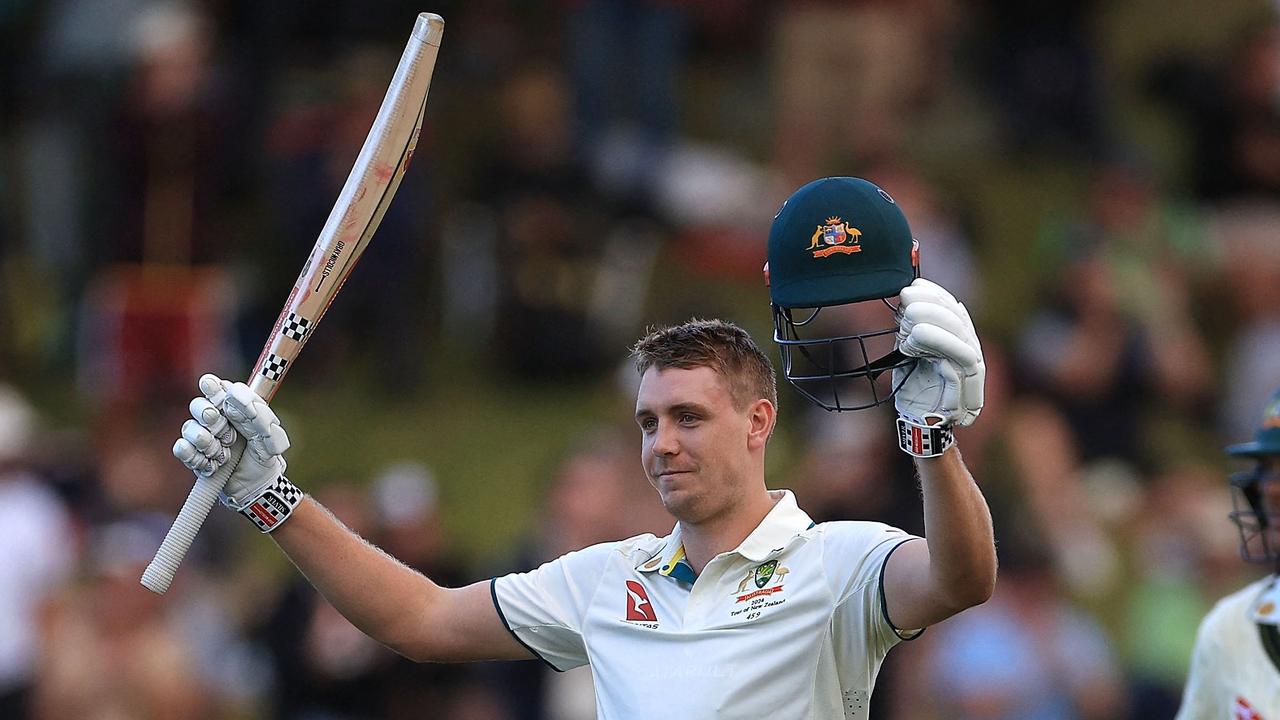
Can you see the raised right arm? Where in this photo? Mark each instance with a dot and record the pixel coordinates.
(391, 602)
(233, 433)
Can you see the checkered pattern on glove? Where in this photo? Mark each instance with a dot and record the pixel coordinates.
(274, 505)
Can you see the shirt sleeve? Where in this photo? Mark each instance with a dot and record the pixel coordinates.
(544, 608)
(854, 555)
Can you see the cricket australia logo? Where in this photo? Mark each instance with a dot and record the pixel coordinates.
(837, 237)
(1271, 416)
(762, 576)
(748, 604)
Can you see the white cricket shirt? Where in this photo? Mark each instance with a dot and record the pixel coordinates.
(790, 624)
(1231, 674)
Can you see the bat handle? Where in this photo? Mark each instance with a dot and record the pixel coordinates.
(159, 574)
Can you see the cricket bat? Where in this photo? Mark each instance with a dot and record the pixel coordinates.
(363, 201)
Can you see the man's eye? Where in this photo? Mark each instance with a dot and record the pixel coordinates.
(648, 424)
(688, 418)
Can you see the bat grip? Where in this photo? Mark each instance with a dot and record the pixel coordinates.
(204, 494)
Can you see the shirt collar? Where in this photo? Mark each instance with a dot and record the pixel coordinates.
(784, 522)
(780, 525)
(672, 552)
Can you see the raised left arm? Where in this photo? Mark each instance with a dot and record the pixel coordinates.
(955, 567)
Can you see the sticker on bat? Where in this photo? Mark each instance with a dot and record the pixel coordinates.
(333, 260)
(296, 327)
(273, 368)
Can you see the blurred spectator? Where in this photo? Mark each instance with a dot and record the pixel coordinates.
(554, 241)
(1041, 61)
(151, 315)
(946, 251)
(1025, 653)
(1233, 113)
(1052, 484)
(1251, 311)
(112, 649)
(149, 331)
(625, 59)
(37, 551)
(1185, 556)
(849, 469)
(1119, 338)
(847, 77)
(63, 70)
(167, 149)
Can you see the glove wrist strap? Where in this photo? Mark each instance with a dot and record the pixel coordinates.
(919, 439)
(273, 505)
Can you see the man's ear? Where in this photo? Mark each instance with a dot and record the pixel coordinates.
(762, 416)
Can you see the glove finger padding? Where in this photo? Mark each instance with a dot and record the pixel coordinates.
(948, 380)
(208, 415)
(193, 459)
(927, 313)
(934, 341)
(922, 290)
(251, 415)
(204, 441)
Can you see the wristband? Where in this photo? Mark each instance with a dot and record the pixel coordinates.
(273, 505)
(919, 439)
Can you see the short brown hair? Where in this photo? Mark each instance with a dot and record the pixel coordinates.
(719, 345)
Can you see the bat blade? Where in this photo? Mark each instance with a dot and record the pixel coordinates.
(364, 199)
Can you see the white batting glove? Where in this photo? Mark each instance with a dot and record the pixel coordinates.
(234, 435)
(946, 386)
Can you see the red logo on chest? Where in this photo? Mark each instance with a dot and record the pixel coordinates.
(638, 606)
(1242, 710)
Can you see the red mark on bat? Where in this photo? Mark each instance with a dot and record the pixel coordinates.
(384, 173)
(350, 217)
(413, 145)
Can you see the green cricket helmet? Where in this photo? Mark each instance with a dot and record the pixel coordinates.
(1259, 527)
(839, 241)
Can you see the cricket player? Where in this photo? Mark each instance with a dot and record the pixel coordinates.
(747, 607)
(1235, 667)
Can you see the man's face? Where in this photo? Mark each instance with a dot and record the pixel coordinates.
(1260, 533)
(1269, 484)
(696, 447)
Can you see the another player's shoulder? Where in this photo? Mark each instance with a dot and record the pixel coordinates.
(1232, 611)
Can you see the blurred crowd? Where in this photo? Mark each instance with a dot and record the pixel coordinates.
(1099, 182)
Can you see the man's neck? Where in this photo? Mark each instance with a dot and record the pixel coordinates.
(707, 539)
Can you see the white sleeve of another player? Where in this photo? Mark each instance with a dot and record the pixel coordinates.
(544, 608)
(1200, 698)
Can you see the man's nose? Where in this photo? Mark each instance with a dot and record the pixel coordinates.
(665, 441)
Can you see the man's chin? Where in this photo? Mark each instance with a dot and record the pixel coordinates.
(683, 506)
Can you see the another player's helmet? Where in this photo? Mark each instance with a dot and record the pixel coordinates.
(1259, 527)
(839, 241)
